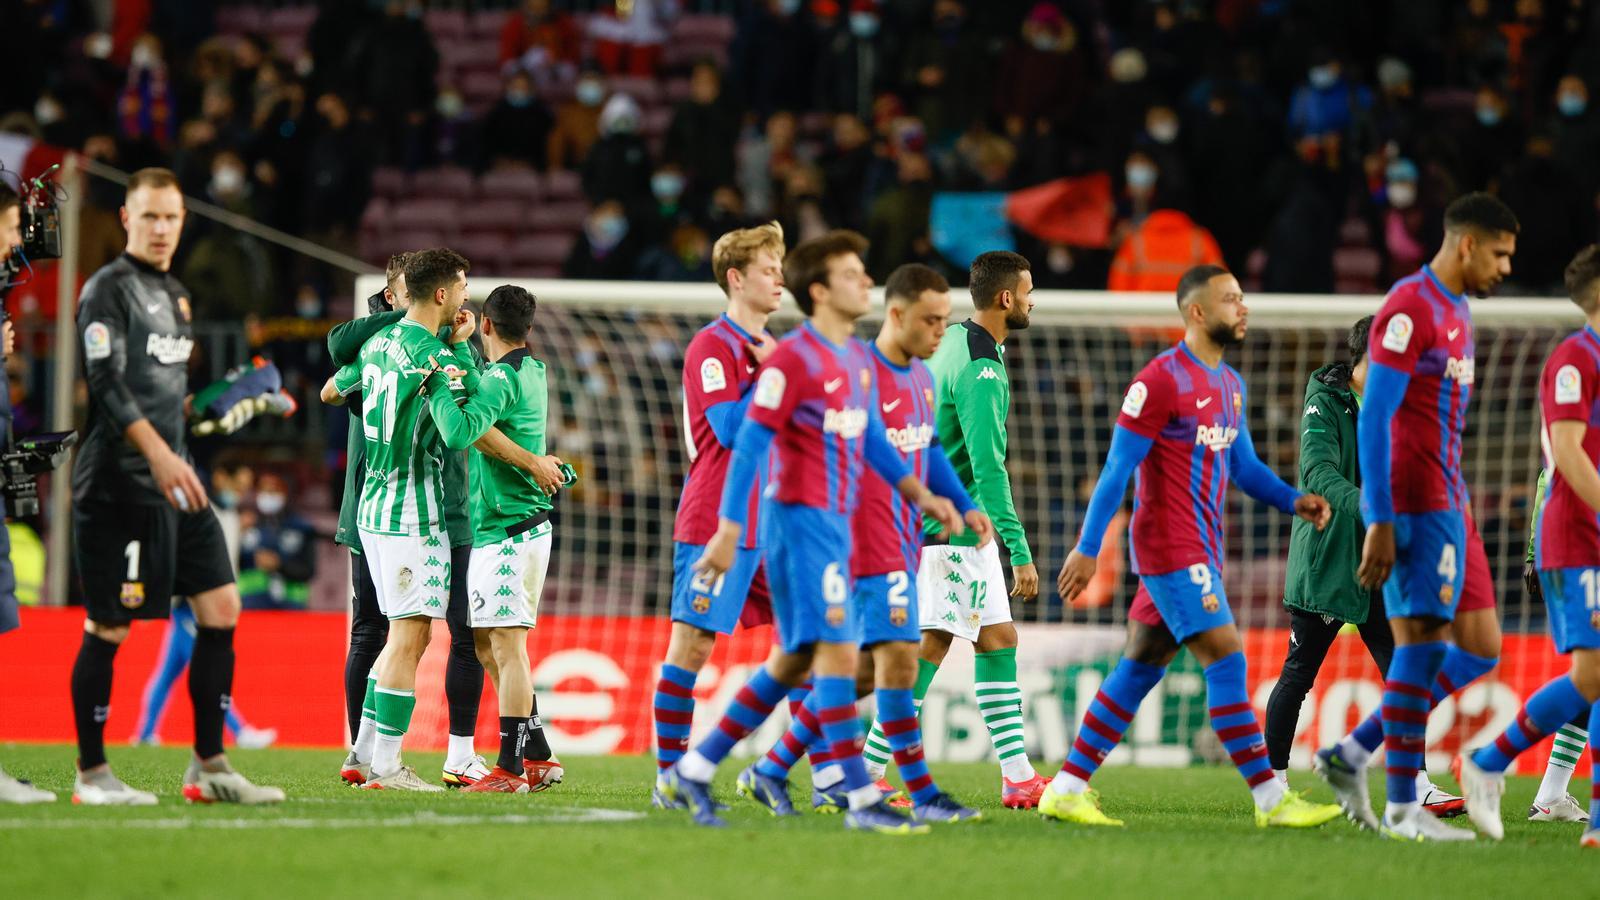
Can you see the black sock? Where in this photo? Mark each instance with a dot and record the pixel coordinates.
(513, 734)
(91, 698)
(210, 687)
(537, 748)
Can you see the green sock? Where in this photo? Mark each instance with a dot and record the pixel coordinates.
(369, 700)
(1000, 703)
(394, 718)
(876, 751)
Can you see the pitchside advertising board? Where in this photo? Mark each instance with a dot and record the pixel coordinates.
(596, 680)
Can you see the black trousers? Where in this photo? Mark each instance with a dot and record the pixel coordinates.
(369, 629)
(1310, 636)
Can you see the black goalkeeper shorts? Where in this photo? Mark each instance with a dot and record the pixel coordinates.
(133, 559)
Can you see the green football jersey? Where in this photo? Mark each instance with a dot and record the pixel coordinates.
(512, 394)
(403, 491)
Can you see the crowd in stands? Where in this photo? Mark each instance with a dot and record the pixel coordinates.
(1309, 145)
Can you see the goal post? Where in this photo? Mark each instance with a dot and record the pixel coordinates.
(615, 350)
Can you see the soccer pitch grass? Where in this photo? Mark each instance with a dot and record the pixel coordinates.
(1188, 830)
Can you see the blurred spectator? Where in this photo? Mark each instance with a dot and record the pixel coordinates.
(1141, 178)
(1402, 221)
(1490, 143)
(1043, 73)
(772, 56)
(516, 132)
(656, 219)
(606, 248)
(1160, 142)
(455, 131)
(392, 65)
(540, 39)
(277, 550)
(685, 255)
(765, 160)
(221, 111)
(851, 62)
(1477, 51)
(897, 226)
(229, 270)
(146, 108)
(1327, 103)
(1230, 153)
(946, 72)
(1301, 237)
(704, 131)
(982, 161)
(628, 37)
(618, 165)
(725, 212)
(801, 210)
(338, 182)
(846, 168)
(1159, 250)
(1576, 127)
(577, 123)
(1123, 102)
(250, 51)
(328, 42)
(1395, 116)
(1556, 219)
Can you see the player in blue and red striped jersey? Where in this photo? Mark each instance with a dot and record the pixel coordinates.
(1568, 559)
(719, 371)
(815, 399)
(888, 542)
(1419, 518)
(1182, 428)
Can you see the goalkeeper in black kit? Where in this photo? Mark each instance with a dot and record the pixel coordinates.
(143, 530)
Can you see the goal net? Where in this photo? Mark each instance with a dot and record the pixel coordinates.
(615, 353)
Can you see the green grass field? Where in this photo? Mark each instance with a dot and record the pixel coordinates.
(1188, 830)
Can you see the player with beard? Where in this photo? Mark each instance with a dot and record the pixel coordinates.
(1182, 427)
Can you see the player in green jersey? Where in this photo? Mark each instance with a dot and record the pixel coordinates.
(401, 518)
(511, 528)
(961, 587)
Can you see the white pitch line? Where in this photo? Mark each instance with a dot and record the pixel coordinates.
(572, 815)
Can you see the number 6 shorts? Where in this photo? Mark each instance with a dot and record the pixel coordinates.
(411, 573)
(808, 571)
(506, 578)
(961, 589)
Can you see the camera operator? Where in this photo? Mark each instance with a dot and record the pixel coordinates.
(12, 790)
(143, 530)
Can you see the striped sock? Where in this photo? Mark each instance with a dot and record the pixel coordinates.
(877, 751)
(899, 713)
(674, 712)
(1550, 706)
(750, 707)
(1406, 701)
(1000, 702)
(1108, 716)
(1594, 766)
(1459, 670)
(1234, 721)
(1565, 752)
(824, 771)
(841, 728)
(393, 709)
(368, 732)
(805, 733)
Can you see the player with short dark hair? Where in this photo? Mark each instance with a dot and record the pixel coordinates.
(1568, 559)
(143, 530)
(1183, 428)
(888, 540)
(816, 399)
(1422, 545)
(512, 533)
(961, 587)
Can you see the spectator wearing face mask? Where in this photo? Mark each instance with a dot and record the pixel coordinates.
(852, 65)
(1576, 128)
(277, 550)
(1157, 245)
(1327, 103)
(1160, 141)
(618, 166)
(684, 255)
(1044, 71)
(146, 107)
(606, 248)
(577, 123)
(1402, 221)
(703, 132)
(657, 217)
(516, 132)
(229, 272)
(1490, 143)
(1558, 219)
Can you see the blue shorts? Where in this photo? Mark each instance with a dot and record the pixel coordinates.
(1574, 604)
(712, 607)
(1429, 565)
(886, 608)
(1191, 601)
(808, 570)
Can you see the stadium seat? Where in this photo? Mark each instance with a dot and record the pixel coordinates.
(376, 215)
(479, 86)
(239, 19)
(447, 181)
(706, 27)
(487, 252)
(645, 90)
(419, 239)
(539, 250)
(1353, 232)
(676, 90)
(656, 121)
(521, 185)
(446, 25)
(289, 20)
(487, 23)
(562, 184)
(388, 181)
(566, 215)
(1357, 263)
(431, 214)
(495, 216)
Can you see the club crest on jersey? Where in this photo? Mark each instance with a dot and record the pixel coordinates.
(866, 379)
(1447, 594)
(183, 308)
(712, 377)
(1569, 385)
(702, 604)
(1210, 603)
(1397, 336)
(169, 349)
(132, 594)
(846, 423)
(1217, 437)
(1238, 403)
(927, 394)
(96, 341)
(769, 389)
(1133, 403)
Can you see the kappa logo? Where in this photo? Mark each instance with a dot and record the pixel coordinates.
(831, 385)
(505, 569)
(433, 603)
(1312, 410)
(433, 561)
(954, 578)
(432, 541)
(988, 375)
(502, 612)
(952, 557)
(508, 550)
(433, 582)
(503, 591)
